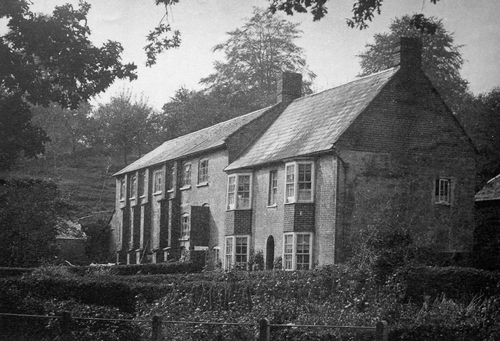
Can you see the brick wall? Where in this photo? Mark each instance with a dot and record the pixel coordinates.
(393, 153)
(238, 222)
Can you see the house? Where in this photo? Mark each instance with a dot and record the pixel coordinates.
(302, 179)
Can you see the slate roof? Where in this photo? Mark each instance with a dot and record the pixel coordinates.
(198, 141)
(491, 191)
(314, 123)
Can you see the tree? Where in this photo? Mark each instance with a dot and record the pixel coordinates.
(124, 124)
(16, 131)
(49, 58)
(255, 55)
(480, 117)
(29, 211)
(441, 58)
(163, 37)
(67, 129)
(246, 81)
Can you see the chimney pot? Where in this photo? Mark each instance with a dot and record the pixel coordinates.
(289, 86)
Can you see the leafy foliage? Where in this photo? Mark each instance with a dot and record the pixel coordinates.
(480, 116)
(246, 81)
(17, 132)
(255, 54)
(28, 215)
(49, 58)
(441, 58)
(416, 299)
(124, 124)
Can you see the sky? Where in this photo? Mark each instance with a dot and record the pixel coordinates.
(330, 46)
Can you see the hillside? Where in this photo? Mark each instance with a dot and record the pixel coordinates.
(84, 179)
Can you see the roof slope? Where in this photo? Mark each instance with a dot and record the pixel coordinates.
(491, 191)
(204, 139)
(313, 123)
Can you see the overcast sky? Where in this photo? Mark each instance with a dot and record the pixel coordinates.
(330, 46)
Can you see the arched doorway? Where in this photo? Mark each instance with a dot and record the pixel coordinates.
(270, 253)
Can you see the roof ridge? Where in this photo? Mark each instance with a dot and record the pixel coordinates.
(352, 81)
(218, 124)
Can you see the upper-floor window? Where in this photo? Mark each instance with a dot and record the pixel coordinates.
(236, 252)
(297, 253)
(142, 183)
(203, 171)
(238, 191)
(158, 180)
(171, 177)
(442, 191)
(273, 187)
(185, 226)
(299, 182)
(133, 186)
(123, 188)
(186, 175)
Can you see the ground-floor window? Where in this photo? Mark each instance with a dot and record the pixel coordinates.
(236, 252)
(297, 251)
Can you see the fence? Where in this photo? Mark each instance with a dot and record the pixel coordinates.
(380, 330)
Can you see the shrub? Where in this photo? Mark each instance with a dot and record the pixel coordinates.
(454, 282)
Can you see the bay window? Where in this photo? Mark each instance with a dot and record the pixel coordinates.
(237, 252)
(239, 191)
(299, 182)
(297, 251)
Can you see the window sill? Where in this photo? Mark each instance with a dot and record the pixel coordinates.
(272, 206)
(122, 200)
(442, 203)
(299, 202)
(158, 193)
(184, 239)
(170, 190)
(238, 209)
(142, 196)
(131, 199)
(202, 184)
(183, 188)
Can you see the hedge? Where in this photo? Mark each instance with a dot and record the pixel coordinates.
(453, 282)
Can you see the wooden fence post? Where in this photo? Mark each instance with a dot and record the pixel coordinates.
(156, 334)
(381, 331)
(66, 325)
(264, 330)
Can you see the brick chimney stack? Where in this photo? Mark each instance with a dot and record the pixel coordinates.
(410, 54)
(289, 86)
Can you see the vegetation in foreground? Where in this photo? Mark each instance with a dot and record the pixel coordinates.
(419, 303)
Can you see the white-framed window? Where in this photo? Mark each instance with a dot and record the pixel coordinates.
(186, 174)
(142, 183)
(123, 188)
(297, 251)
(171, 177)
(157, 180)
(299, 181)
(237, 252)
(203, 171)
(239, 192)
(442, 191)
(133, 186)
(273, 188)
(185, 226)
